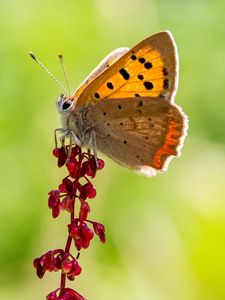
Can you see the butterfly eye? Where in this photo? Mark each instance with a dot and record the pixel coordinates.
(67, 104)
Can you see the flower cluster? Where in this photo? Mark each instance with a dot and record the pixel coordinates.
(55, 260)
(76, 186)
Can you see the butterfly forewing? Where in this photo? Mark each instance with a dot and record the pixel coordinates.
(110, 59)
(149, 69)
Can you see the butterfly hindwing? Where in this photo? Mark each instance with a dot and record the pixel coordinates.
(147, 70)
(138, 133)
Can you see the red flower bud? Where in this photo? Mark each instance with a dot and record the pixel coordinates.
(89, 167)
(72, 166)
(55, 152)
(87, 191)
(75, 269)
(99, 229)
(53, 199)
(69, 294)
(84, 210)
(48, 261)
(62, 156)
(55, 212)
(67, 266)
(40, 271)
(67, 204)
(70, 277)
(100, 164)
(52, 296)
(74, 229)
(75, 151)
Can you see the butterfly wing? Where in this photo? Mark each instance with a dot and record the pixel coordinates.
(138, 133)
(102, 66)
(150, 69)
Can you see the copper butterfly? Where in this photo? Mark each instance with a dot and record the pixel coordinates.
(125, 108)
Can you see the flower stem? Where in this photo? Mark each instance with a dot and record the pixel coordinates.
(69, 239)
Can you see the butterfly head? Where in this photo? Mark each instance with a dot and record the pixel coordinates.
(64, 104)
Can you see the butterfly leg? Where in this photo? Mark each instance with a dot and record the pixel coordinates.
(94, 145)
(62, 137)
(75, 138)
(70, 145)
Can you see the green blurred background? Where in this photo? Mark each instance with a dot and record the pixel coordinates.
(166, 235)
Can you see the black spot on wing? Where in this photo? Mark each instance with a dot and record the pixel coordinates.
(148, 85)
(97, 96)
(110, 85)
(165, 72)
(166, 83)
(142, 60)
(124, 74)
(148, 65)
(141, 77)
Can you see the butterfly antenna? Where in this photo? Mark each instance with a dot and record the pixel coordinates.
(64, 71)
(47, 71)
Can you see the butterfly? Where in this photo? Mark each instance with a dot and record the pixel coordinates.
(125, 108)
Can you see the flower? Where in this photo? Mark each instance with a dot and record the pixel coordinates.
(75, 187)
(66, 294)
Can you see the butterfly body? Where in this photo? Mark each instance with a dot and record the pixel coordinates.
(125, 108)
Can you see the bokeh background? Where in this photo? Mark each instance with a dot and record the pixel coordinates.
(166, 235)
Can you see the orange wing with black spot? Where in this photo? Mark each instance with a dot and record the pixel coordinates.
(107, 62)
(150, 69)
